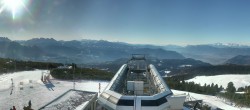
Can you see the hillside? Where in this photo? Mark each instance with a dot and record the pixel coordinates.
(11, 65)
(161, 64)
(35, 90)
(212, 101)
(211, 53)
(11, 49)
(97, 51)
(191, 72)
(238, 80)
(239, 60)
(41, 95)
(81, 73)
(77, 51)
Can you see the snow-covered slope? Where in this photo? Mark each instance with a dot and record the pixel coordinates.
(41, 94)
(211, 100)
(238, 80)
(35, 90)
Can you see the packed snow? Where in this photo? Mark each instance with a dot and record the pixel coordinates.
(27, 85)
(211, 100)
(238, 80)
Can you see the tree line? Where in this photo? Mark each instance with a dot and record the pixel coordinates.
(213, 89)
(190, 72)
(239, 99)
(80, 73)
(207, 89)
(11, 65)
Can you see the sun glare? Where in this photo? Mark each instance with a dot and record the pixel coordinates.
(12, 5)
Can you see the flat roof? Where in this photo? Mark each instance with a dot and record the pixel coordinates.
(70, 100)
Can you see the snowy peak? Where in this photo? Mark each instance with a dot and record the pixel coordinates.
(232, 45)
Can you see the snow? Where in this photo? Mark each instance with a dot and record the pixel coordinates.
(210, 100)
(238, 80)
(167, 72)
(71, 100)
(41, 93)
(182, 66)
(82, 105)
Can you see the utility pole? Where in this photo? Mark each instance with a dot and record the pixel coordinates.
(15, 65)
(74, 83)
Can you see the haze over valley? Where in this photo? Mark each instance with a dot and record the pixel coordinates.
(98, 51)
(62, 53)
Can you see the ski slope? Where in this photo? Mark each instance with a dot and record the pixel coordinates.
(211, 100)
(40, 93)
(238, 80)
(35, 90)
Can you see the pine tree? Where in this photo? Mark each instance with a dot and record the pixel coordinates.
(221, 88)
(208, 90)
(230, 88)
(241, 89)
(217, 88)
(212, 85)
(204, 88)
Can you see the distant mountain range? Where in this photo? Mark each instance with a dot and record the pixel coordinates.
(84, 51)
(214, 54)
(161, 64)
(239, 60)
(217, 53)
(96, 51)
(11, 49)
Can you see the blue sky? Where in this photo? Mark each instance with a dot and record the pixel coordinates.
(160, 22)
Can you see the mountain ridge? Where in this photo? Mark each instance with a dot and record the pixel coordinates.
(78, 51)
(102, 50)
(239, 60)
